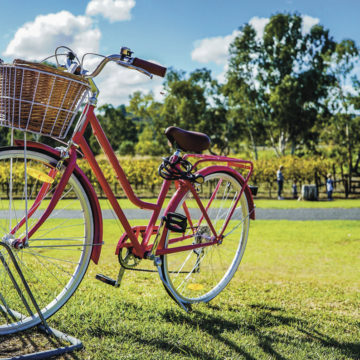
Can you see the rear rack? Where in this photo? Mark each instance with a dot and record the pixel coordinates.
(232, 162)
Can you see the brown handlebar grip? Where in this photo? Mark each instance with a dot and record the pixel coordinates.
(150, 67)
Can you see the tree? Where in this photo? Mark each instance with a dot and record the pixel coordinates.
(343, 131)
(118, 126)
(278, 83)
(246, 110)
(194, 103)
(146, 112)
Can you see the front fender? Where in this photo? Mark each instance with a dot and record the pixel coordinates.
(90, 192)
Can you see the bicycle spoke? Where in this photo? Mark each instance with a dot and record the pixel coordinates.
(200, 274)
(57, 256)
(62, 226)
(51, 257)
(46, 267)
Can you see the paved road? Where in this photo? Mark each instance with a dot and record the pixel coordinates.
(261, 214)
(308, 214)
(274, 214)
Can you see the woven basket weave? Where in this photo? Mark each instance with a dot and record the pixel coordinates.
(38, 98)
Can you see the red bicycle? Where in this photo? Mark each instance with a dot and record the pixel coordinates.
(50, 216)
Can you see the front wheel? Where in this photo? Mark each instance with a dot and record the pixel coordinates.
(57, 255)
(200, 274)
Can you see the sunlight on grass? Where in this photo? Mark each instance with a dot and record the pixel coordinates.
(295, 296)
(294, 204)
(260, 203)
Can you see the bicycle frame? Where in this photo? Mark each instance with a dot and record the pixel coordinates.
(142, 249)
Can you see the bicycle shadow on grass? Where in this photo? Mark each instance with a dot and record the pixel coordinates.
(31, 341)
(258, 326)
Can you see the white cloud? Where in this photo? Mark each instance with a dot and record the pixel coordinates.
(213, 49)
(113, 10)
(308, 23)
(221, 78)
(216, 49)
(259, 25)
(117, 83)
(37, 39)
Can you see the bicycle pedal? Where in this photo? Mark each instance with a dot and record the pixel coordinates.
(176, 222)
(105, 279)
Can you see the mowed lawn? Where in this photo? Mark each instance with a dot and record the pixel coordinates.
(260, 203)
(296, 296)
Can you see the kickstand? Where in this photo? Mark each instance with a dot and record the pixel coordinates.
(75, 343)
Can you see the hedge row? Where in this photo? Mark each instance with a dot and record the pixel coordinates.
(142, 173)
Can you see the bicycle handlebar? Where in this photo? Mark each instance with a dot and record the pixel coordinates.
(146, 67)
(150, 67)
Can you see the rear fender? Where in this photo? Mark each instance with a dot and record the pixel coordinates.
(208, 170)
(216, 168)
(90, 192)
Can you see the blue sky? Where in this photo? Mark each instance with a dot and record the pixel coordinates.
(184, 34)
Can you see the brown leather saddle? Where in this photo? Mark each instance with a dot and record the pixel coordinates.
(187, 140)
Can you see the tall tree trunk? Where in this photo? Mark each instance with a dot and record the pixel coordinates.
(273, 143)
(349, 156)
(282, 143)
(252, 139)
(344, 181)
(293, 147)
(356, 167)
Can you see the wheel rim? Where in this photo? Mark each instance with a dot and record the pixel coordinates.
(58, 254)
(199, 275)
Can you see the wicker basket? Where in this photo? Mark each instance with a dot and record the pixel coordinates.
(38, 98)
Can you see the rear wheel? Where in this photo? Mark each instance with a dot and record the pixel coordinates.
(57, 255)
(199, 275)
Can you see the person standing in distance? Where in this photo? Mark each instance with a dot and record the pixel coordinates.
(329, 187)
(280, 181)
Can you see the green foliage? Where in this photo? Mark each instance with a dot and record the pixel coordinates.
(278, 82)
(117, 125)
(287, 90)
(142, 173)
(147, 145)
(147, 113)
(127, 148)
(194, 103)
(342, 131)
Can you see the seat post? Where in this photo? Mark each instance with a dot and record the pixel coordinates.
(175, 156)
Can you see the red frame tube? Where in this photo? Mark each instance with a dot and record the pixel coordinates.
(57, 194)
(39, 198)
(78, 138)
(139, 249)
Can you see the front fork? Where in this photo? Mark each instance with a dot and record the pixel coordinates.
(22, 242)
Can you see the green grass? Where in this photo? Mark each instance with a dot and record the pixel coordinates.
(260, 203)
(295, 296)
(294, 204)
